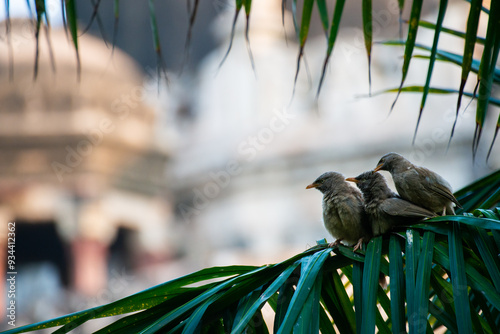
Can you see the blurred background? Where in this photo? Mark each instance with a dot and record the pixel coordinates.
(121, 181)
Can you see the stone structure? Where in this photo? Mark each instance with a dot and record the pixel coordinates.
(81, 154)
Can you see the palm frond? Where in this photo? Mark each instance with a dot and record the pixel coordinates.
(485, 67)
(448, 274)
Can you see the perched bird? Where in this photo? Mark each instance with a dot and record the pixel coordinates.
(343, 211)
(385, 208)
(419, 185)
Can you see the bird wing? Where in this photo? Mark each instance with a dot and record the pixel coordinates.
(443, 191)
(431, 182)
(436, 184)
(402, 208)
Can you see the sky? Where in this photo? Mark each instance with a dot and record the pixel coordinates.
(19, 8)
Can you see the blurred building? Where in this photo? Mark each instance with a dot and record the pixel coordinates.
(81, 173)
(252, 146)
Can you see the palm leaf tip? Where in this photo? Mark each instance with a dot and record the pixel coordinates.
(192, 18)
(231, 38)
(368, 36)
(492, 143)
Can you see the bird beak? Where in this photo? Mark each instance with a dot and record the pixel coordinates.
(352, 179)
(378, 167)
(312, 185)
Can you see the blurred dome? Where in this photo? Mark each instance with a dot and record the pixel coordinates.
(56, 124)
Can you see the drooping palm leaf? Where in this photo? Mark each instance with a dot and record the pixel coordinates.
(192, 18)
(239, 5)
(334, 29)
(160, 63)
(247, 4)
(439, 23)
(497, 127)
(485, 74)
(40, 13)
(467, 63)
(95, 16)
(71, 17)
(367, 33)
(303, 33)
(470, 43)
(116, 14)
(416, 9)
(323, 14)
(401, 5)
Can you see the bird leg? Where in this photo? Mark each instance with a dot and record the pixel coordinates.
(359, 244)
(335, 243)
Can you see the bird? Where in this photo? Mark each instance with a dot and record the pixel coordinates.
(385, 209)
(343, 210)
(419, 185)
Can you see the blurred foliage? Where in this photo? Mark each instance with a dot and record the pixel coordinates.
(486, 72)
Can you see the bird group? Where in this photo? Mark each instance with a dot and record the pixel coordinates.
(354, 216)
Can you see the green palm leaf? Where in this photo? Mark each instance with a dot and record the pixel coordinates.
(397, 285)
(486, 69)
(303, 33)
(323, 14)
(470, 42)
(337, 15)
(416, 9)
(71, 17)
(449, 273)
(422, 283)
(488, 74)
(370, 284)
(160, 63)
(367, 33)
(239, 5)
(442, 10)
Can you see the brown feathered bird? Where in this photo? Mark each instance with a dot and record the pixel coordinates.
(385, 208)
(419, 185)
(343, 210)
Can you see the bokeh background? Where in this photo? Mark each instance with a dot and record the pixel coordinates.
(121, 181)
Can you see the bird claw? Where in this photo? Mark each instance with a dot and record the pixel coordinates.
(336, 243)
(359, 245)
